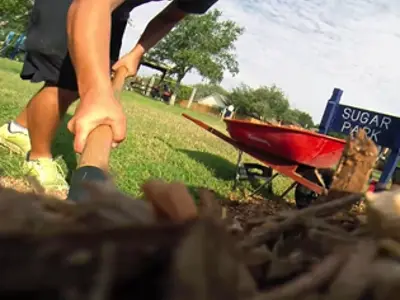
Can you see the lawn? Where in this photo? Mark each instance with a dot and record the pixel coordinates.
(160, 142)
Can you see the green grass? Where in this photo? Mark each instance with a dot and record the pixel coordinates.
(160, 142)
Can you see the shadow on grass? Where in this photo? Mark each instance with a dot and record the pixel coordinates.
(63, 146)
(221, 167)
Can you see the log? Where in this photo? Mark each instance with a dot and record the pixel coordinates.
(355, 166)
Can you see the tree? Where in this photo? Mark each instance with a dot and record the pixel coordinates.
(275, 98)
(202, 43)
(14, 14)
(291, 116)
(266, 103)
(305, 120)
(205, 89)
(242, 98)
(299, 117)
(262, 103)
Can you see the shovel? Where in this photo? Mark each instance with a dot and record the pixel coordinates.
(94, 160)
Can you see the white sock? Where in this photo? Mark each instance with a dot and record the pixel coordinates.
(14, 127)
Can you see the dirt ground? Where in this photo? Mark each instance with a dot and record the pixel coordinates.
(23, 186)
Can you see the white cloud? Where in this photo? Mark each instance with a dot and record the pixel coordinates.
(309, 47)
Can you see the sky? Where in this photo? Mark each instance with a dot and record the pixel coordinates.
(307, 48)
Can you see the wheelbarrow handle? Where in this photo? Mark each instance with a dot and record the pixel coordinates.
(99, 142)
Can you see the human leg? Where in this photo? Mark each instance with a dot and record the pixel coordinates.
(46, 108)
(46, 61)
(22, 118)
(57, 99)
(44, 113)
(46, 51)
(33, 131)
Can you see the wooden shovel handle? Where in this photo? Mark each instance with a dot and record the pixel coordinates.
(99, 142)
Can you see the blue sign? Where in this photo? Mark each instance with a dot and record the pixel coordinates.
(382, 129)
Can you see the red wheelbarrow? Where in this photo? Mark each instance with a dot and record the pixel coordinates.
(293, 152)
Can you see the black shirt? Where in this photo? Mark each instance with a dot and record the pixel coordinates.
(188, 6)
(195, 6)
(47, 34)
(120, 17)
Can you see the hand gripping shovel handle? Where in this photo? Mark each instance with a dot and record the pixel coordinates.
(94, 160)
(98, 145)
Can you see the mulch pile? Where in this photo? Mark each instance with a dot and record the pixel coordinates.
(162, 247)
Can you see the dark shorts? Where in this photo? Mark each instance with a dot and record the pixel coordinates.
(47, 59)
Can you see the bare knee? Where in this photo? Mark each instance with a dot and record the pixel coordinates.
(64, 97)
(67, 97)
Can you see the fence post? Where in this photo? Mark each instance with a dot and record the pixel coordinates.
(192, 95)
(150, 86)
(390, 166)
(172, 100)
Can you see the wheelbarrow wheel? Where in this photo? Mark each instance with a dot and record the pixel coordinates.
(303, 195)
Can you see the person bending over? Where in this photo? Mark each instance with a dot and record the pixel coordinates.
(70, 46)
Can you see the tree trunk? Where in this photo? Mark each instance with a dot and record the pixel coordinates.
(176, 89)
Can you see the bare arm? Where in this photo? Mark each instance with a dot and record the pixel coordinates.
(89, 27)
(158, 27)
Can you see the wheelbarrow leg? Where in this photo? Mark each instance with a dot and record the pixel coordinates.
(268, 181)
(237, 175)
(303, 195)
(243, 171)
(283, 195)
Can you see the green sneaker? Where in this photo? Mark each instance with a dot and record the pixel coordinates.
(47, 173)
(17, 142)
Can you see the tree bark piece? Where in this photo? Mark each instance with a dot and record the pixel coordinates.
(170, 201)
(355, 166)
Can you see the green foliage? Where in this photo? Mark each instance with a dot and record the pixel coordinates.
(267, 103)
(299, 117)
(202, 43)
(205, 89)
(243, 98)
(338, 135)
(291, 116)
(275, 98)
(184, 91)
(305, 120)
(261, 103)
(14, 14)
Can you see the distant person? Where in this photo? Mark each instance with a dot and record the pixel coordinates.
(70, 46)
(166, 95)
(228, 111)
(7, 42)
(19, 46)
